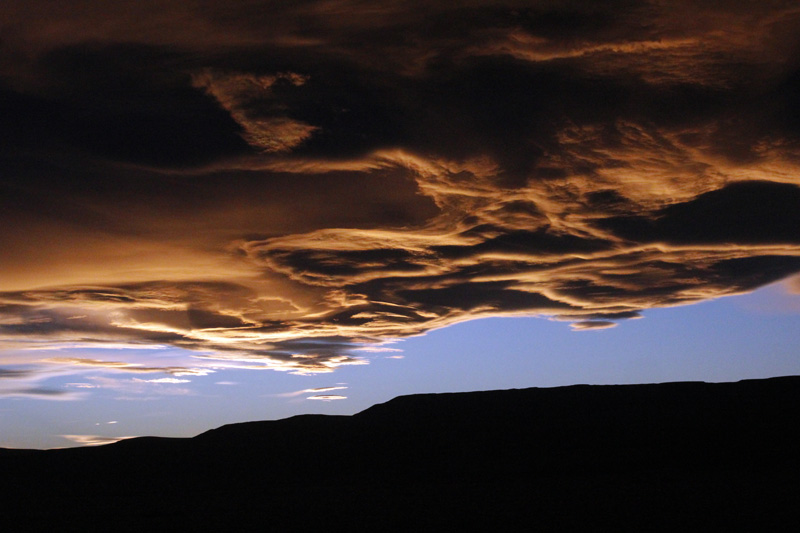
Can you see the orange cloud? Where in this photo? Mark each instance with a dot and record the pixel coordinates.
(239, 94)
(290, 192)
(94, 440)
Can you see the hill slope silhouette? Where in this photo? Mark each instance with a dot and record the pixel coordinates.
(691, 455)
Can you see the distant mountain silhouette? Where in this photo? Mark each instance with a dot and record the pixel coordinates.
(710, 456)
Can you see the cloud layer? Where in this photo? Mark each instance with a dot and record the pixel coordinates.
(275, 186)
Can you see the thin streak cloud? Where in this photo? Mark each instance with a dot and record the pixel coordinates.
(93, 440)
(326, 397)
(308, 391)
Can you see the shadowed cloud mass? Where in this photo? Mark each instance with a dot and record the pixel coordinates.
(276, 185)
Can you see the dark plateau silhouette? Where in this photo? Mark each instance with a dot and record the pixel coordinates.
(673, 456)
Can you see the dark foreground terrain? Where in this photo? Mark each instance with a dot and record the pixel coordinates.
(668, 457)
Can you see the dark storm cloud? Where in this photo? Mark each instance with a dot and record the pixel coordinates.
(274, 184)
(741, 213)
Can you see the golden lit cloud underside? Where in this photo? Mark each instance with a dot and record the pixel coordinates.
(280, 188)
(94, 440)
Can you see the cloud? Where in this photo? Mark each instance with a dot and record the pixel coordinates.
(248, 99)
(593, 324)
(307, 391)
(326, 397)
(135, 389)
(290, 188)
(9, 373)
(130, 367)
(793, 285)
(378, 349)
(94, 440)
(324, 389)
(82, 385)
(30, 382)
(40, 393)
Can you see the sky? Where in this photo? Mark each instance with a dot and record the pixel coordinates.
(216, 212)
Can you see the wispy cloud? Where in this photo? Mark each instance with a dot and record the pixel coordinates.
(94, 440)
(314, 392)
(326, 397)
(289, 192)
(593, 324)
(250, 101)
(41, 393)
(142, 388)
(32, 383)
(131, 367)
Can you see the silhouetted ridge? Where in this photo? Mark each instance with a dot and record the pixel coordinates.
(644, 455)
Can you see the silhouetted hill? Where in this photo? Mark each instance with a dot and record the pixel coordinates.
(628, 457)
